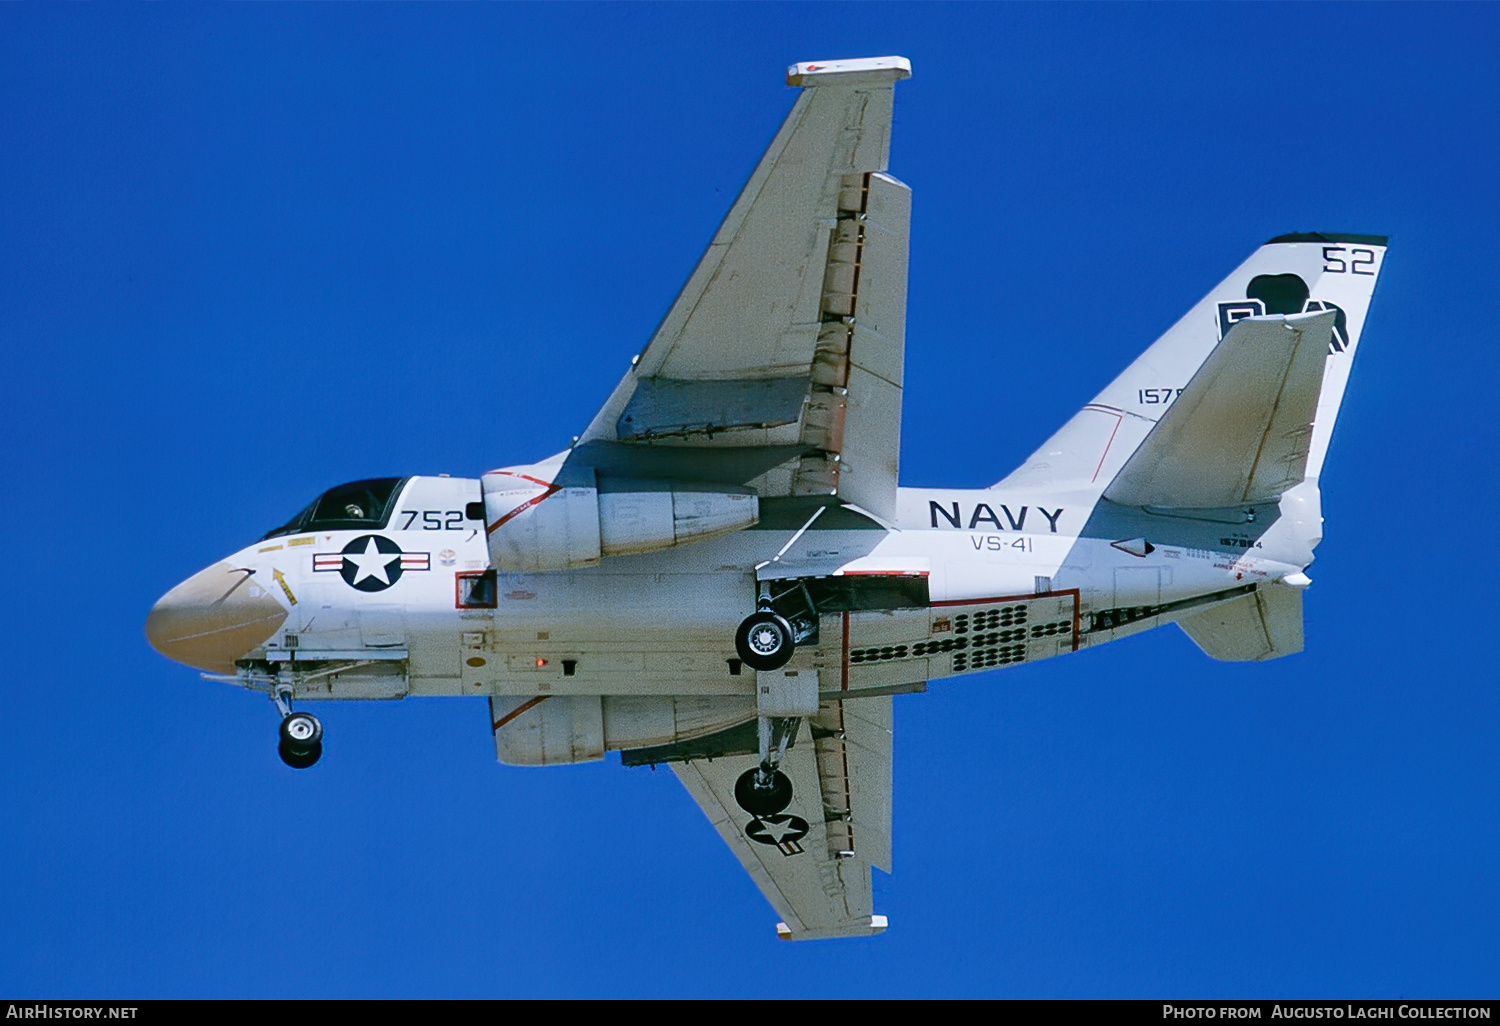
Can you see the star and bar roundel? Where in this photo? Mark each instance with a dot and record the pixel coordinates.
(371, 562)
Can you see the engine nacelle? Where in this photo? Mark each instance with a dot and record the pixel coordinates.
(535, 523)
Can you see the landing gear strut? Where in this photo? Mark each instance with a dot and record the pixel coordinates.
(765, 790)
(301, 733)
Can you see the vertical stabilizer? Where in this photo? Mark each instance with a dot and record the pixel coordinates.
(1291, 274)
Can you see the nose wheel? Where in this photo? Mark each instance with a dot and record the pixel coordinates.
(301, 733)
(301, 740)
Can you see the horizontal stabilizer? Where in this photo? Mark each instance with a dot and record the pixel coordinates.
(1242, 428)
(1266, 624)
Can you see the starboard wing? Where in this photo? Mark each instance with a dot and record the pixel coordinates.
(813, 862)
(786, 343)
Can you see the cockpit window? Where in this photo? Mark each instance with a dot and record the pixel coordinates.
(358, 505)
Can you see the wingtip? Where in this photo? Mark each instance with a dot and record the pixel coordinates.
(868, 928)
(853, 71)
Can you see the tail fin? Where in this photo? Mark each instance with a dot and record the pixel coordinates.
(1290, 275)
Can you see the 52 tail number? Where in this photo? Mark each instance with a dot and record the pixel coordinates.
(1360, 261)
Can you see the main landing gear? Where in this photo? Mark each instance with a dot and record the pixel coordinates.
(765, 640)
(301, 733)
(765, 790)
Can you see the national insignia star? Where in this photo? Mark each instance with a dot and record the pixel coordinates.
(778, 828)
(372, 563)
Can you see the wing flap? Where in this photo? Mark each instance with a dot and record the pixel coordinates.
(870, 452)
(853, 742)
(1241, 429)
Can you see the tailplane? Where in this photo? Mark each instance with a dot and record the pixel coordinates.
(1265, 624)
(1242, 429)
(1239, 397)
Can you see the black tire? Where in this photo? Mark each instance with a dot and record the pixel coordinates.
(764, 641)
(301, 732)
(299, 758)
(763, 801)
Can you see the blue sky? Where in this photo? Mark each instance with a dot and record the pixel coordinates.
(253, 251)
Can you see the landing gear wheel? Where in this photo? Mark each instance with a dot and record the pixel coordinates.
(764, 641)
(299, 758)
(301, 740)
(301, 731)
(763, 801)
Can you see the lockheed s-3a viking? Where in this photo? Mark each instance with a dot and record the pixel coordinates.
(722, 574)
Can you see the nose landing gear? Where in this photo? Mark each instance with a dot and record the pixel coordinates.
(301, 733)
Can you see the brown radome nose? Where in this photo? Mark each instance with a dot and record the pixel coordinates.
(213, 618)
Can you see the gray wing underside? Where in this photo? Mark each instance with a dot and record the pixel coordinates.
(786, 343)
(819, 882)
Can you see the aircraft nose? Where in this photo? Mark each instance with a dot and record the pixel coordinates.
(213, 618)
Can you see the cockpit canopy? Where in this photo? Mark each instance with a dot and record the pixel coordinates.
(358, 505)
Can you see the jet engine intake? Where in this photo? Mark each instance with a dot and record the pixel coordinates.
(536, 524)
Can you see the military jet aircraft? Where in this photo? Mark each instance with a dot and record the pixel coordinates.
(722, 575)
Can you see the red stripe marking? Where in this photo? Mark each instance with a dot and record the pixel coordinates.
(883, 573)
(1119, 419)
(523, 477)
(523, 507)
(518, 710)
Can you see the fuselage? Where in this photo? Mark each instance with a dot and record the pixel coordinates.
(962, 581)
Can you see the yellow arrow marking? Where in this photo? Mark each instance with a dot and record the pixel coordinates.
(281, 580)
